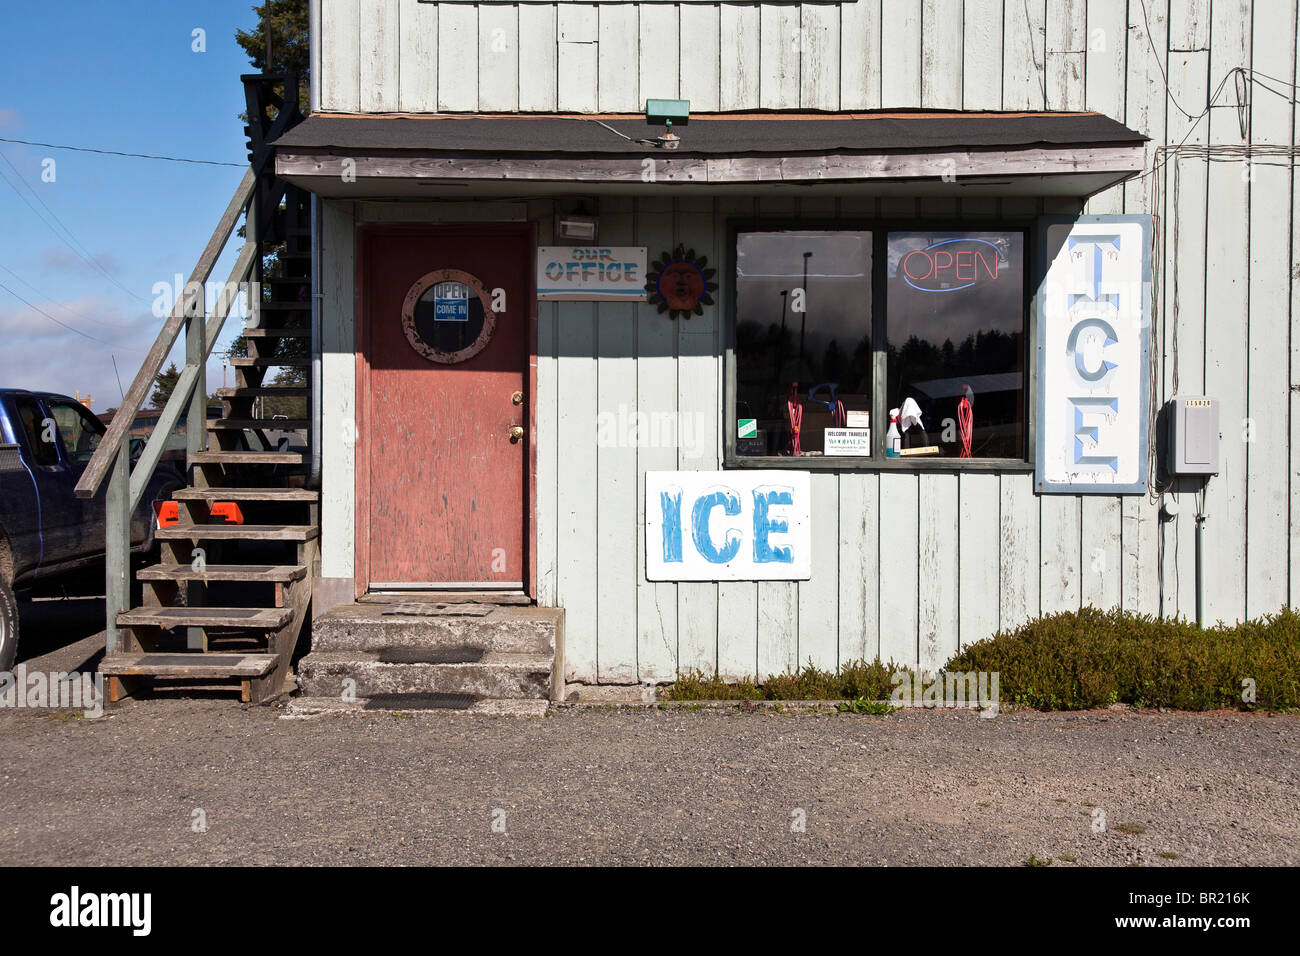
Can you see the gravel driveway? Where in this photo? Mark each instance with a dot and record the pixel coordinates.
(646, 787)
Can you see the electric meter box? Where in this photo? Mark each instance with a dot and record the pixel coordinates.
(1193, 435)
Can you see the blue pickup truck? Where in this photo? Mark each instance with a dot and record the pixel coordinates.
(46, 531)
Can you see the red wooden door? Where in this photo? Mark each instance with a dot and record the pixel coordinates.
(447, 483)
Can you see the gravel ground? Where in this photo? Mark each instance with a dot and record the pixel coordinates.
(646, 787)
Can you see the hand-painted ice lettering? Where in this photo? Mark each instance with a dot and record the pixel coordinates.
(1100, 412)
(670, 503)
(765, 525)
(1074, 342)
(729, 501)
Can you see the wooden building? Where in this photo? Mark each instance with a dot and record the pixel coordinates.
(931, 205)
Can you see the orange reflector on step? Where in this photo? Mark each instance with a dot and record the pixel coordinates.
(166, 513)
(228, 510)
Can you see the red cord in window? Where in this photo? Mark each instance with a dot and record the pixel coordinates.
(966, 421)
(795, 408)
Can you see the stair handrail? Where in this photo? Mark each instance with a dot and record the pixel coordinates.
(185, 307)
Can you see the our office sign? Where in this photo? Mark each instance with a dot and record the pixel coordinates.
(1094, 333)
(728, 526)
(591, 273)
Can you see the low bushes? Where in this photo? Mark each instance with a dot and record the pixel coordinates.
(1092, 658)
(1077, 660)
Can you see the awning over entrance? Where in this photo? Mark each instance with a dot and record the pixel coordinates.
(909, 153)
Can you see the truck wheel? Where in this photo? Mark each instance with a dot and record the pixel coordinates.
(8, 627)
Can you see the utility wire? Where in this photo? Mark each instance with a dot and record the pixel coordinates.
(113, 152)
(74, 245)
(50, 317)
(61, 306)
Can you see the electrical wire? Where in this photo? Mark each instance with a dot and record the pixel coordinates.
(50, 317)
(49, 298)
(74, 244)
(113, 152)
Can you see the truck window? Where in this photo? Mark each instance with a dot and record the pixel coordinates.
(32, 419)
(78, 429)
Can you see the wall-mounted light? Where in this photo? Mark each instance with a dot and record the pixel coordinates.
(666, 113)
(576, 228)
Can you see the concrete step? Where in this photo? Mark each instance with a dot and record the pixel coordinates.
(492, 675)
(375, 627)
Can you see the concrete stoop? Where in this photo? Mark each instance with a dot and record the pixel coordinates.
(427, 656)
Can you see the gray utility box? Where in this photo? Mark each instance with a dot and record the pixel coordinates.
(1193, 435)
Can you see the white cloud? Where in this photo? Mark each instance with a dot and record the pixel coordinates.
(61, 258)
(40, 354)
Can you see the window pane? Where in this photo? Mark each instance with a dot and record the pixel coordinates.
(955, 319)
(43, 452)
(79, 431)
(803, 324)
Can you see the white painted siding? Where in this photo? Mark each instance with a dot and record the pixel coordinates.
(990, 551)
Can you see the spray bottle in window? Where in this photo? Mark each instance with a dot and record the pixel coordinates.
(893, 440)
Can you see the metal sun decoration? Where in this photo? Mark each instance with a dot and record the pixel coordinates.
(680, 284)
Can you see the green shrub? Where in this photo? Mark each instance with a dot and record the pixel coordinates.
(1078, 660)
(1093, 658)
(855, 680)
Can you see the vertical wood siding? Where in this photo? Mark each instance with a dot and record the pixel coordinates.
(907, 566)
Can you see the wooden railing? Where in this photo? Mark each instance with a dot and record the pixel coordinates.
(112, 459)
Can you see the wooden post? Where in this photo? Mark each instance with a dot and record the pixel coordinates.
(117, 546)
(196, 431)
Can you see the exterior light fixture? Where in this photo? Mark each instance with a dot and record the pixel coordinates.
(668, 112)
(578, 228)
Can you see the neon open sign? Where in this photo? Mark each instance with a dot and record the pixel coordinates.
(950, 265)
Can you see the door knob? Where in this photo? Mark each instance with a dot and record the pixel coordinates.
(516, 432)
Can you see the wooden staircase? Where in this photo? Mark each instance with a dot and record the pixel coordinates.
(226, 602)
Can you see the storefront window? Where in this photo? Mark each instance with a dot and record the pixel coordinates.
(955, 326)
(950, 345)
(803, 343)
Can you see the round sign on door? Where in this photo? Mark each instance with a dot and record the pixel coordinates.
(447, 316)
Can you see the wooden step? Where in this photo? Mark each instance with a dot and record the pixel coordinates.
(278, 332)
(187, 665)
(256, 424)
(219, 457)
(267, 573)
(261, 618)
(237, 532)
(260, 391)
(243, 361)
(245, 494)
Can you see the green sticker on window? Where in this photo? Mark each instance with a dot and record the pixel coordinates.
(746, 427)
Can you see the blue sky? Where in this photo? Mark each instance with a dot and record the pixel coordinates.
(117, 76)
